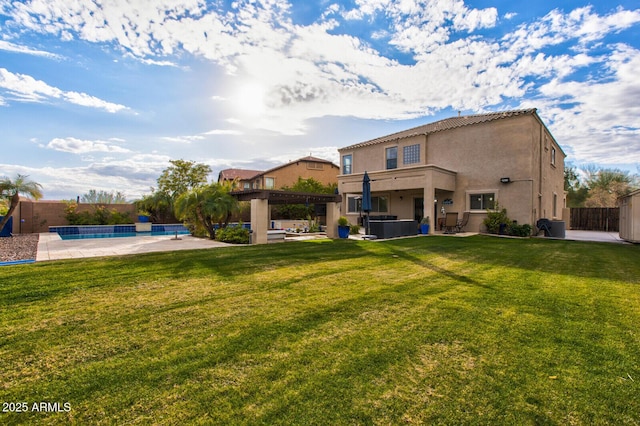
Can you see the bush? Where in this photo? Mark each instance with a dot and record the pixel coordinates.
(498, 218)
(354, 229)
(520, 230)
(233, 234)
(495, 219)
(100, 216)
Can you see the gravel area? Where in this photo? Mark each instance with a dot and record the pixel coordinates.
(19, 247)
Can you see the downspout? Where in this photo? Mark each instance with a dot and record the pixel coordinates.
(540, 176)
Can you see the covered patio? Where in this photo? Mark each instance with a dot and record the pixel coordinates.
(261, 199)
(405, 194)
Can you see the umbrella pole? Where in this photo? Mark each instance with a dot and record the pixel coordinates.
(367, 227)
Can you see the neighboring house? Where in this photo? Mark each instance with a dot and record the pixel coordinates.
(462, 164)
(243, 179)
(285, 175)
(630, 217)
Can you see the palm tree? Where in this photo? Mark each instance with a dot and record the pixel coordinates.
(207, 205)
(11, 190)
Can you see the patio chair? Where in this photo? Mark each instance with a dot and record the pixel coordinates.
(450, 222)
(544, 225)
(462, 222)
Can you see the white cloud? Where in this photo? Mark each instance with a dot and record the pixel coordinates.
(11, 47)
(598, 120)
(133, 176)
(27, 89)
(183, 139)
(581, 25)
(78, 146)
(316, 70)
(223, 132)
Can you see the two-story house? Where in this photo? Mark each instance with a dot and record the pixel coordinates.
(285, 175)
(461, 164)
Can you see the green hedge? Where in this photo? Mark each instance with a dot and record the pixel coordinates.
(233, 234)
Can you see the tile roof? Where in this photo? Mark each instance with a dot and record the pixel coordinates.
(241, 174)
(446, 124)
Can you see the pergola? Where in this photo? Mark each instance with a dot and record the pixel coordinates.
(262, 198)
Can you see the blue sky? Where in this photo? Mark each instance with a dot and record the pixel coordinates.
(101, 95)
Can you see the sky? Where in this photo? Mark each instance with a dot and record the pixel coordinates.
(103, 94)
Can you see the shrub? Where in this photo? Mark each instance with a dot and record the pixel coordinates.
(233, 234)
(520, 230)
(354, 229)
(100, 216)
(495, 219)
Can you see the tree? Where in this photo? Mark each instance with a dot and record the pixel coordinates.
(158, 205)
(311, 185)
(182, 176)
(302, 211)
(576, 192)
(207, 206)
(11, 190)
(103, 197)
(607, 185)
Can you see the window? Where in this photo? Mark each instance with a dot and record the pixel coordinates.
(482, 201)
(411, 154)
(392, 157)
(355, 204)
(269, 183)
(553, 156)
(378, 204)
(555, 205)
(247, 185)
(346, 164)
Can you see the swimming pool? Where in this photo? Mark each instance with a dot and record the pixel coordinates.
(120, 235)
(82, 232)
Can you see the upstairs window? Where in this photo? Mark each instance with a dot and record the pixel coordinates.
(411, 154)
(553, 156)
(346, 164)
(392, 157)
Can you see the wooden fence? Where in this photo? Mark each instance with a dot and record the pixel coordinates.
(595, 219)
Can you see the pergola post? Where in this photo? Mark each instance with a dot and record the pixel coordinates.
(333, 213)
(259, 220)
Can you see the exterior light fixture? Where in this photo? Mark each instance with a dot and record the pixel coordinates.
(505, 180)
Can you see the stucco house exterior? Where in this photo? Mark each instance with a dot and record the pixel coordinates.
(630, 217)
(461, 164)
(285, 175)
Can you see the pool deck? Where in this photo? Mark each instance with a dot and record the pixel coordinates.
(52, 247)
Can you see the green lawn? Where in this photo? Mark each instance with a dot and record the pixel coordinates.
(436, 330)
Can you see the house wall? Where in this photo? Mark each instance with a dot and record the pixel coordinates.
(325, 173)
(479, 155)
(37, 216)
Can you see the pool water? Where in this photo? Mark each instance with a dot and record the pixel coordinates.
(119, 234)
